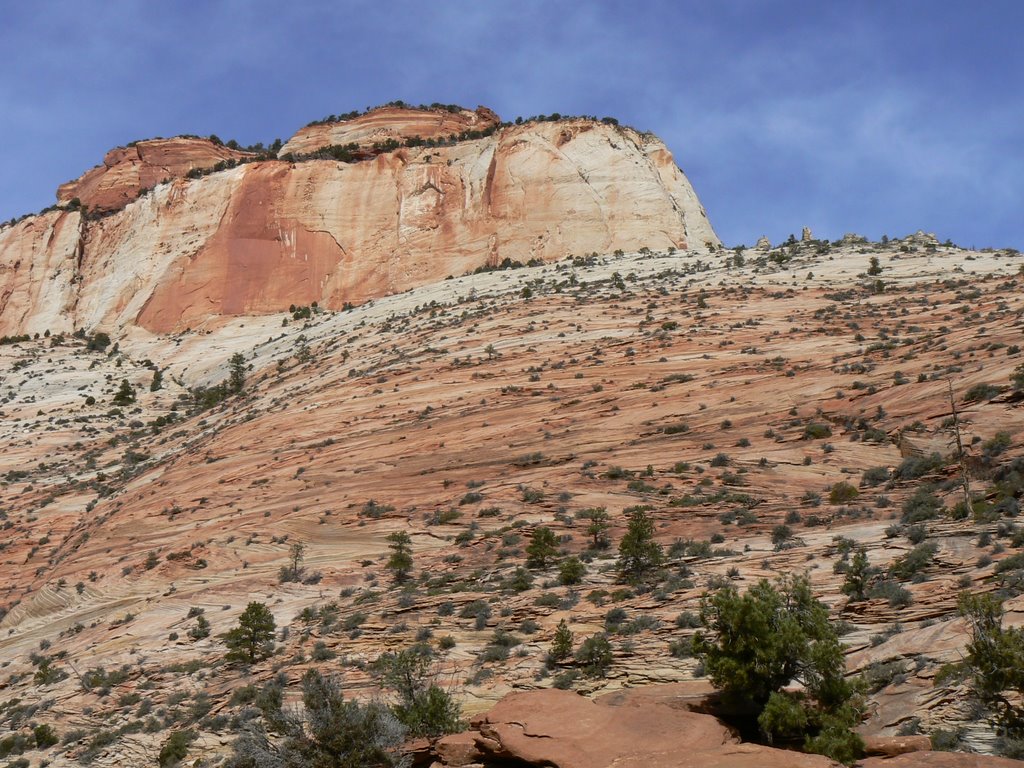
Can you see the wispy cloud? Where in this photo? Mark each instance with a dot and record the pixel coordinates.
(861, 116)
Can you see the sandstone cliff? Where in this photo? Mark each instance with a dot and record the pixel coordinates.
(261, 236)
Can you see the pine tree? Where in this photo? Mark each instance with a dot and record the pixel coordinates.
(561, 645)
(598, 527)
(543, 547)
(125, 395)
(858, 576)
(400, 562)
(253, 638)
(571, 571)
(236, 378)
(639, 553)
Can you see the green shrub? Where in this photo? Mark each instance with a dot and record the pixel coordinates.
(874, 476)
(595, 655)
(923, 505)
(981, 392)
(45, 736)
(915, 561)
(842, 492)
(175, 748)
(817, 431)
(914, 467)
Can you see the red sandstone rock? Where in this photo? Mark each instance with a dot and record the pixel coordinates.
(890, 746)
(940, 760)
(458, 749)
(563, 729)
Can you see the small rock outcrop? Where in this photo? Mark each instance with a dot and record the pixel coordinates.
(126, 171)
(395, 123)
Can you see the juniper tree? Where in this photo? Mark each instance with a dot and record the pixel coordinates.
(571, 571)
(995, 658)
(760, 643)
(598, 527)
(423, 706)
(859, 574)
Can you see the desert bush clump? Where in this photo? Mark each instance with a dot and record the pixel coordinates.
(328, 731)
(913, 467)
(915, 561)
(175, 748)
(842, 492)
(923, 505)
(595, 655)
(423, 707)
(981, 392)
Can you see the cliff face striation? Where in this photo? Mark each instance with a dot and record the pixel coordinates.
(260, 236)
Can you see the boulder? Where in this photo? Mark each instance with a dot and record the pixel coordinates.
(890, 746)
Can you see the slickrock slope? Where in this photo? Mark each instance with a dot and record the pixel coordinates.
(262, 236)
(127, 171)
(396, 123)
(729, 395)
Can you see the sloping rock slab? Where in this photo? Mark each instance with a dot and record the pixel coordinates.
(565, 730)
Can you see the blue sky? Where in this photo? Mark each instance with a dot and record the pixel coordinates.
(860, 116)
